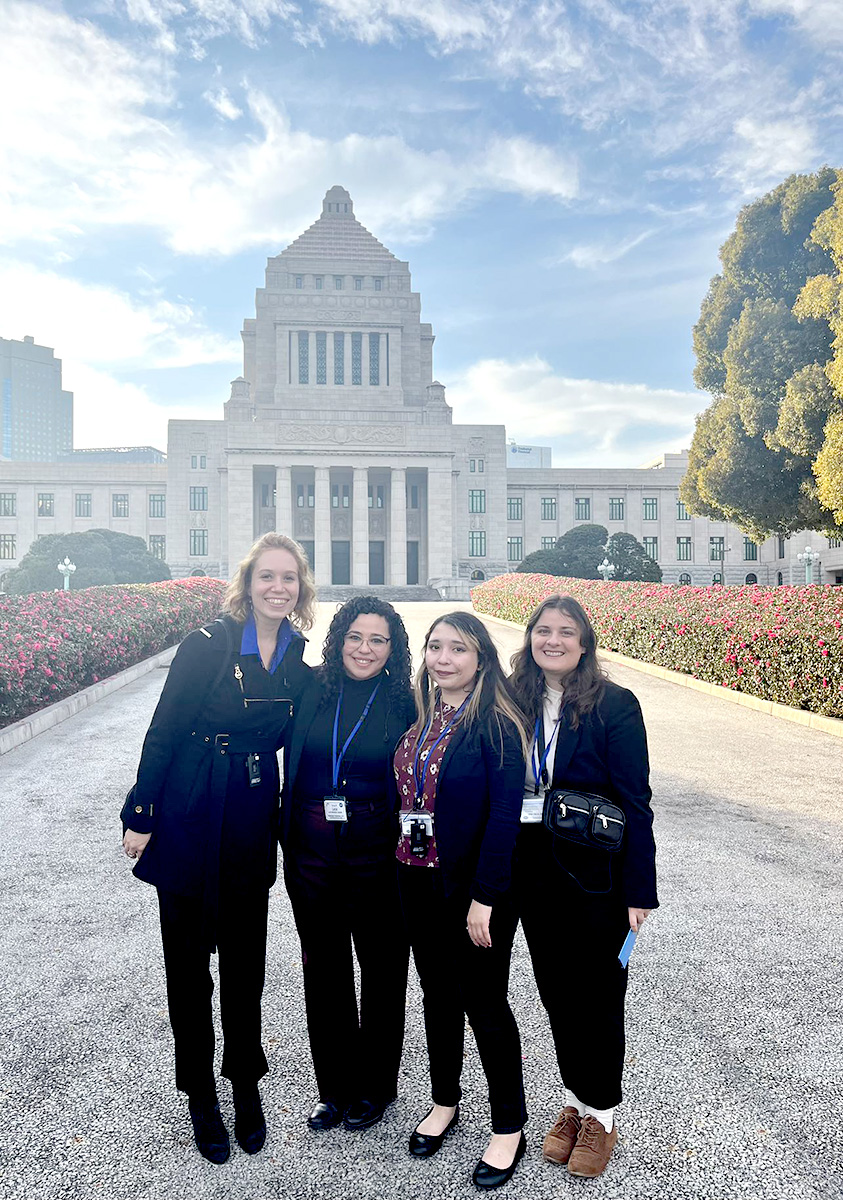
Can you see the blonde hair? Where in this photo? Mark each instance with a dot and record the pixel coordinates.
(490, 694)
(237, 600)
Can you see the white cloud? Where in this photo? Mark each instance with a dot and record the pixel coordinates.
(597, 254)
(588, 422)
(112, 412)
(767, 151)
(221, 102)
(820, 19)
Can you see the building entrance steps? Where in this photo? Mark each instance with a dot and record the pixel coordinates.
(339, 593)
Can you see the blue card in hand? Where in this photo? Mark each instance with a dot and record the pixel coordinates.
(626, 948)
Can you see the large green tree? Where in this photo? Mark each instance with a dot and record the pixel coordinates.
(631, 560)
(101, 556)
(769, 347)
(579, 552)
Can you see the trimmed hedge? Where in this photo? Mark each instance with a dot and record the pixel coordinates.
(53, 644)
(783, 644)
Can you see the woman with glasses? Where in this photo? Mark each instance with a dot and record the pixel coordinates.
(460, 776)
(338, 833)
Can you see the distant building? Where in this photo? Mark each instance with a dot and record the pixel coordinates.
(528, 456)
(116, 454)
(36, 415)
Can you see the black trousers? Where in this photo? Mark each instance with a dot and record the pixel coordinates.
(459, 979)
(241, 943)
(345, 899)
(574, 939)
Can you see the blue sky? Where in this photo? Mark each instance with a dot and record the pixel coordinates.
(559, 176)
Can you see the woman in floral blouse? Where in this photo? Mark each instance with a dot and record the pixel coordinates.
(459, 772)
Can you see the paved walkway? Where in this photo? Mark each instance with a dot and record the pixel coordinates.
(734, 1076)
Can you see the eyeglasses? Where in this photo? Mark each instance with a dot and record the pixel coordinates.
(375, 642)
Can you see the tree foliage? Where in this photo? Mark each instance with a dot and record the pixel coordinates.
(769, 347)
(579, 552)
(102, 556)
(630, 560)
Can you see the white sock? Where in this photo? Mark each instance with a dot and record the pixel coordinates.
(571, 1101)
(606, 1116)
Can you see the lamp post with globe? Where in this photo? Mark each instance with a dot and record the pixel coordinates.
(606, 569)
(808, 558)
(67, 568)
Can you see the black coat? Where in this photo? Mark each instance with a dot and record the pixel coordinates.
(478, 807)
(196, 801)
(607, 755)
(397, 719)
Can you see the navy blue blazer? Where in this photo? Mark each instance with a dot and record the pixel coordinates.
(478, 807)
(607, 755)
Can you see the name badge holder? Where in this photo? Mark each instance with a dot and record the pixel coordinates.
(532, 805)
(335, 806)
(417, 824)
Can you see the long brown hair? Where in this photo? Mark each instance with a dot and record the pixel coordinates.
(237, 600)
(491, 696)
(585, 684)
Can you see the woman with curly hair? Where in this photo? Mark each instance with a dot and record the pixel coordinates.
(201, 823)
(338, 832)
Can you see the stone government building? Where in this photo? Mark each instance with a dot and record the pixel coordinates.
(338, 433)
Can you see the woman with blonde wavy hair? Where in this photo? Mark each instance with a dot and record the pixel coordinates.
(460, 774)
(201, 824)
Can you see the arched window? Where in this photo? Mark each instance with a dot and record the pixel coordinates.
(779, 579)
(717, 577)
(477, 575)
(197, 572)
(751, 578)
(684, 579)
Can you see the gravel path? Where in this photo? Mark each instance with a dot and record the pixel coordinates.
(734, 1075)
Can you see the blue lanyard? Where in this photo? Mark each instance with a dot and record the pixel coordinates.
(420, 746)
(539, 770)
(337, 759)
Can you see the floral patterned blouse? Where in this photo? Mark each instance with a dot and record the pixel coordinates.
(403, 763)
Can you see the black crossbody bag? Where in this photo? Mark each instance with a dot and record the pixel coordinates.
(587, 820)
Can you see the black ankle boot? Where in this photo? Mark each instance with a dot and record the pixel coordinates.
(249, 1121)
(208, 1129)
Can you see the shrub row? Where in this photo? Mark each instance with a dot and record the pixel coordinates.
(783, 643)
(52, 644)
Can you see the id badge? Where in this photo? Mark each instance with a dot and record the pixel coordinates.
(408, 819)
(335, 807)
(532, 808)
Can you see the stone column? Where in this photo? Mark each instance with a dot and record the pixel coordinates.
(440, 524)
(283, 501)
(241, 510)
(322, 524)
(360, 527)
(398, 527)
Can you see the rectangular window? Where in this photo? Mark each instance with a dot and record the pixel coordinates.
(321, 358)
(683, 549)
(414, 495)
(716, 548)
(82, 504)
(304, 357)
(346, 495)
(356, 358)
(7, 545)
(477, 500)
(198, 499)
(374, 359)
(548, 508)
(9, 504)
(299, 495)
(515, 549)
(616, 507)
(582, 508)
(472, 465)
(476, 543)
(46, 504)
(338, 283)
(198, 462)
(376, 495)
(267, 496)
(198, 542)
(650, 508)
(157, 504)
(682, 513)
(318, 282)
(780, 546)
(750, 550)
(158, 545)
(300, 281)
(358, 283)
(339, 358)
(378, 284)
(834, 543)
(481, 465)
(514, 508)
(311, 495)
(335, 495)
(548, 543)
(651, 547)
(120, 504)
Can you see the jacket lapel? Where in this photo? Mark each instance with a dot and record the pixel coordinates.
(303, 721)
(566, 745)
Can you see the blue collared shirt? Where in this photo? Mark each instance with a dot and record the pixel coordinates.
(249, 641)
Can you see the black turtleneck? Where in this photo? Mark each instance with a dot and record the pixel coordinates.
(366, 762)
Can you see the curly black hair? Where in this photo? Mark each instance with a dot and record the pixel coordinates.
(398, 665)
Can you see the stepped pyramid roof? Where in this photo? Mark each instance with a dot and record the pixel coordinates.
(338, 234)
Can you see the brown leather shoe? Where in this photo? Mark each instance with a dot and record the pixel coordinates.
(559, 1141)
(593, 1149)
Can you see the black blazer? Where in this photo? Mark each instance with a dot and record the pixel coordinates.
(478, 808)
(607, 755)
(398, 718)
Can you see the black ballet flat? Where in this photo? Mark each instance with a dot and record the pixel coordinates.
(209, 1132)
(487, 1177)
(424, 1145)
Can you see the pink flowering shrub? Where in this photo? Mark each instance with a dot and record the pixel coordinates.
(783, 643)
(52, 644)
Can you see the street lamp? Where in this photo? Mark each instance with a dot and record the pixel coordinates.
(67, 568)
(606, 569)
(724, 550)
(808, 557)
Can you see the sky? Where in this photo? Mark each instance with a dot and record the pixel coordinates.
(560, 176)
